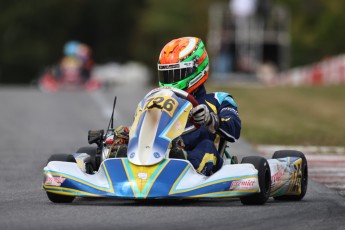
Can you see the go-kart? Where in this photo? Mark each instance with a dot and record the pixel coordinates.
(147, 171)
(69, 75)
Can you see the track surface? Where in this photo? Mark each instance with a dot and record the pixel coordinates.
(34, 125)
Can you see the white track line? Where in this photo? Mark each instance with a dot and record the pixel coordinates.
(328, 170)
(305, 149)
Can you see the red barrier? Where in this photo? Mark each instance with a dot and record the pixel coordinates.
(330, 71)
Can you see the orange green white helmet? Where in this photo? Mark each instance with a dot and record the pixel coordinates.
(183, 63)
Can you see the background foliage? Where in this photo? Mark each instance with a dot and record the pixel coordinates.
(316, 29)
(33, 31)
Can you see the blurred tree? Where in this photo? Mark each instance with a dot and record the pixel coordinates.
(316, 29)
(163, 21)
(34, 32)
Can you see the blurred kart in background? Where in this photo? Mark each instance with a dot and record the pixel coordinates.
(73, 72)
(68, 75)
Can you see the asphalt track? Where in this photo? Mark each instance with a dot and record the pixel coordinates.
(34, 125)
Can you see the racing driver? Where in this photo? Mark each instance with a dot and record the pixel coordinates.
(184, 64)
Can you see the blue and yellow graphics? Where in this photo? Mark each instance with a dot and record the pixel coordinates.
(160, 118)
(171, 178)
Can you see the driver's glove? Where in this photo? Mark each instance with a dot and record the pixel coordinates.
(202, 116)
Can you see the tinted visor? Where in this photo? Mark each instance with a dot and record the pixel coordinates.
(172, 73)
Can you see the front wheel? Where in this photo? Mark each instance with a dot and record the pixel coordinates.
(264, 177)
(304, 171)
(57, 198)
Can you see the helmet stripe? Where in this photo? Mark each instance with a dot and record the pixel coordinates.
(202, 58)
(189, 48)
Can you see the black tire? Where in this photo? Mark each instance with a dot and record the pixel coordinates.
(92, 151)
(57, 198)
(304, 179)
(264, 176)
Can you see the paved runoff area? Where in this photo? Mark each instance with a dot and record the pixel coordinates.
(326, 164)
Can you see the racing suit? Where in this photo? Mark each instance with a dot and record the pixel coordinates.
(200, 144)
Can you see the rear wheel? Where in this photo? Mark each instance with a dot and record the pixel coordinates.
(57, 198)
(264, 177)
(304, 178)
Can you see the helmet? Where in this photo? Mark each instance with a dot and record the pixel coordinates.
(70, 48)
(183, 64)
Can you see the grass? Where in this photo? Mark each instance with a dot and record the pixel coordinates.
(291, 115)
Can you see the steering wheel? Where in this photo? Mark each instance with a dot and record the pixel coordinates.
(189, 97)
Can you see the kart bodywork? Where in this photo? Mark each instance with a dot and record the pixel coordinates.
(148, 173)
(172, 178)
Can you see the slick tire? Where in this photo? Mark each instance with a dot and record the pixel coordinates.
(264, 177)
(95, 162)
(304, 179)
(57, 198)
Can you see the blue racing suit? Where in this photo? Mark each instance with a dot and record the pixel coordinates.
(200, 144)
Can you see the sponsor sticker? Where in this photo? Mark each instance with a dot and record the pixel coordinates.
(246, 184)
(54, 181)
(166, 67)
(142, 175)
(162, 67)
(278, 175)
(232, 110)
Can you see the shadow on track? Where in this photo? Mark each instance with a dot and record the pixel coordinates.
(154, 202)
(229, 202)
